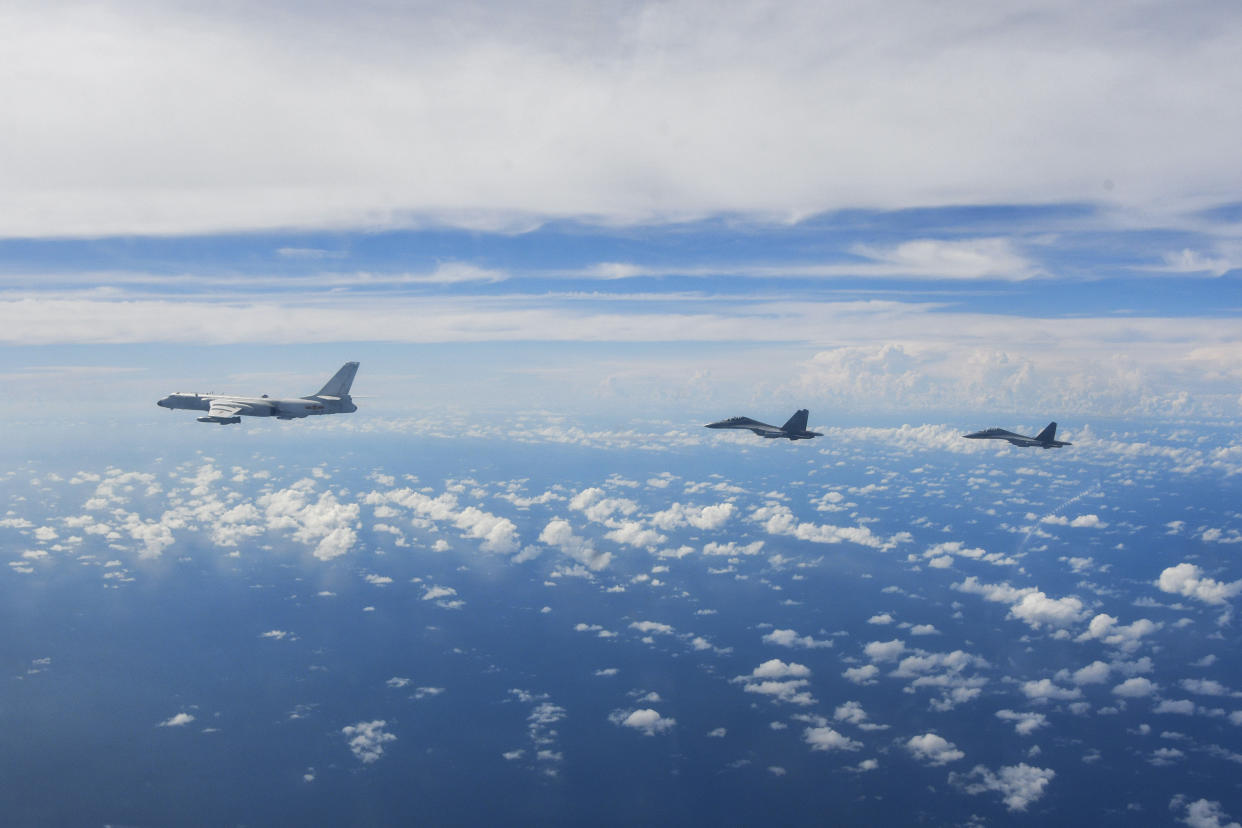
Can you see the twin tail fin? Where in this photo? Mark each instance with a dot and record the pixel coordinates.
(798, 421)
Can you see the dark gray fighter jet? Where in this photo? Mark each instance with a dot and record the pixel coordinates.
(795, 429)
(1045, 439)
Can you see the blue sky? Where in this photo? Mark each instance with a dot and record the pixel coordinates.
(833, 205)
(865, 311)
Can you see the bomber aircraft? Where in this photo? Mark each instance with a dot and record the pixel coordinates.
(795, 429)
(1045, 439)
(226, 409)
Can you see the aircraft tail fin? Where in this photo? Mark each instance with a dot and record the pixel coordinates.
(1049, 433)
(798, 421)
(341, 382)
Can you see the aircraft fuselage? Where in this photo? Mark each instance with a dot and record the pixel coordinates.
(281, 409)
(795, 429)
(1020, 440)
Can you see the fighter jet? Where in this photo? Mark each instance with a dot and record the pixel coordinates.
(227, 409)
(795, 429)
(1045, 439)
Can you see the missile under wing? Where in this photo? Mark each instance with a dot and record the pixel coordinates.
(793, 429)
(228, 409)
(1045, 439)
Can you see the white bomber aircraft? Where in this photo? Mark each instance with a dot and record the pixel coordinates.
(224, 409)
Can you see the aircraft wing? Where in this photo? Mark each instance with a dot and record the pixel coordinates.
(227, 408)
(746, 423)
(766, 430)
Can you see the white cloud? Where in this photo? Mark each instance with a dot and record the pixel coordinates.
(933, 749)
(1201, 813)
(595, 504)
(732, 548)
(1126, 638)
(852, 712)
(885, 650)
(777, 519)
(825, 738)
(613, 91)
(649, 721)
(1046, 690)
(1019, 785)
(1206, 687)
(775, 668)
(498, 535)
(1024, 723)
(558, 533)
(1028, 604)
(783, 682)
(179, 720)
(633, 533)
(1187, 580)
(367, 739)
(1094, 673)
(651, 627)
(700, 517)
(790, 638)
(323, 522)
(862, 675)
(1134, 688)
(940, 555)
(963, 259)
(942, 672)
(431, 593)
(1038, 610)
(1080, 522)
(1088, 521)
